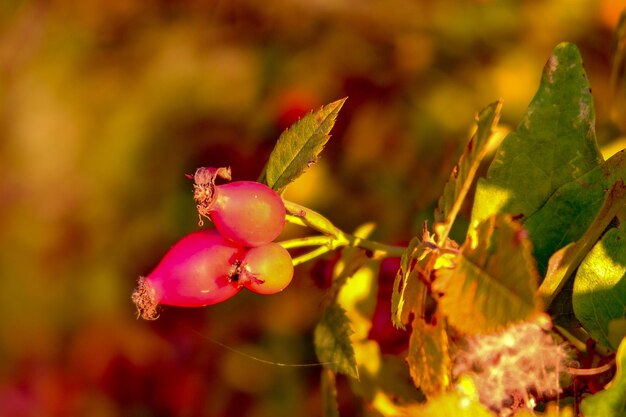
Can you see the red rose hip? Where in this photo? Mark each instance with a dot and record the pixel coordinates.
(246, 212)
(195, 272)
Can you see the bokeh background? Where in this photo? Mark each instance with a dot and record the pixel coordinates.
(104, 106)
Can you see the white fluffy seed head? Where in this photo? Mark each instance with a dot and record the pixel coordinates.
(511, 367)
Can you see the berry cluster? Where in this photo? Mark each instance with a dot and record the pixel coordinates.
(211, 265)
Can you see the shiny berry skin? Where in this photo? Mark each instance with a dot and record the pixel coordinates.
(195, 272)
(266, 269)
(247, 213)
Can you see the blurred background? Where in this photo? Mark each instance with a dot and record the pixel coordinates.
(104, 106)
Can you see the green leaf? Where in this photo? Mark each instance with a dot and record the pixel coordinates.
(600, 286)
(299, 146)
(332, 341)
(494, 282)
(612, 401)
(428, 358)
(553, 145)
(463, 174)
(549, 173)
(329, 393)
(572, 209)
(564, 262)
(617, 331)
(561, 309)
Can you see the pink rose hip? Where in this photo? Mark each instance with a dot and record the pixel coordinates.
(246, 212)
(195, 272)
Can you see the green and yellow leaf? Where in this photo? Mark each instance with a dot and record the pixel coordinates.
(332, 341)
(494, 283)
(429, 360)
(463, 174)
(542, 171)
(599, 295)
(554, 144)
(408, 292)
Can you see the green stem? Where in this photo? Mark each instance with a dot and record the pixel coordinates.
(333, 237)
(290, 218)
(303, 216)
(315, 253)
(575, 341)
(302, 242)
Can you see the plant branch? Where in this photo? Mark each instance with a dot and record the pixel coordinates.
(379, 250)
(302, 242)
(332, 237)
(304, 216)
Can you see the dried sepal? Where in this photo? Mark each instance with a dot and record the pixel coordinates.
(145, 300)
(204, 188)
